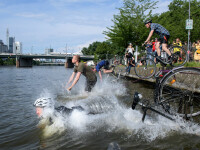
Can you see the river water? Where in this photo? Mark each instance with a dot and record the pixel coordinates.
(114, 120)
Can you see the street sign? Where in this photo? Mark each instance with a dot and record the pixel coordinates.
(189, 24)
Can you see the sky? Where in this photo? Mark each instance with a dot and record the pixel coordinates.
(57, 24)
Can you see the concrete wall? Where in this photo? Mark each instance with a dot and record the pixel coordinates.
(69, 64)
(24, 62)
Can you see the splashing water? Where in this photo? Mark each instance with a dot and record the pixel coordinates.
(110, 115)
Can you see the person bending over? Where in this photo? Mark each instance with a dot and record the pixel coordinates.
(164, 36)
(105, 65)
(81, 68)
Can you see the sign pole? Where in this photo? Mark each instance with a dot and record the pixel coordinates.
(189, 37)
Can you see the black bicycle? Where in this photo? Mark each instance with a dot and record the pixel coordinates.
(146, 67)
(177, 93)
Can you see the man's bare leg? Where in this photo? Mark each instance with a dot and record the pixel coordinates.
(164, 47)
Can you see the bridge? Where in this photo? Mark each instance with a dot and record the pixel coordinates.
(25, 60)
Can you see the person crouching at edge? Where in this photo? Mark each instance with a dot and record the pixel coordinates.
(105, 64)
(81, 68)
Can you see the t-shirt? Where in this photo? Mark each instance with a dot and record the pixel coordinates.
(100, 65)
(176, 49)
(86, 71)
(160, 30)
(130, 50)
(198, 48)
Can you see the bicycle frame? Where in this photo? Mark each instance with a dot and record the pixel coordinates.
(157, 101)
(165, 62)
(161, 60)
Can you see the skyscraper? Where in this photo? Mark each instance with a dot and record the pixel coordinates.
(17, 48)
(11, 44)
(3, 47)
(7, 38)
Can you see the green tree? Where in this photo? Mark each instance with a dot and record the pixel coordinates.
(128, 24)
(91, 49)
(174, 20)
(1, 62)
(104, 50)
(10, 61)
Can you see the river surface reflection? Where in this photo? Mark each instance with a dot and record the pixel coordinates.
(114, 120)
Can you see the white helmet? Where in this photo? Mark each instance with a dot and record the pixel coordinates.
(43, 102)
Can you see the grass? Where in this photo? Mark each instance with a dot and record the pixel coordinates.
(192, 64)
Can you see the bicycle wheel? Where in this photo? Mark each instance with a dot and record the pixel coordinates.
(179, 56)
(180, 93)
(145, 68)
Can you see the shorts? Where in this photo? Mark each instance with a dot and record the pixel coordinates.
(90, 85)
(163, 39)
(155, 53)
(129, 55)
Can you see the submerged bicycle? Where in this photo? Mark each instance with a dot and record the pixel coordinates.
(146, 67)
(177, 93)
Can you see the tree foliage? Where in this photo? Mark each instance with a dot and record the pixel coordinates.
(8, 61)
(102, 50)
(128, 26)
(175, 19)
(129, 23)
(91, 49)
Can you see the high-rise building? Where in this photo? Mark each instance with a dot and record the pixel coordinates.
(3, 47)
(17, 48)
(7, 37)
(11, 44)
(48, 50)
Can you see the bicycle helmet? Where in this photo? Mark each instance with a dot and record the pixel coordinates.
(43, 102)
(147, 21)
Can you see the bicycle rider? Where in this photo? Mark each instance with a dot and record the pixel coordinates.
(163, 40)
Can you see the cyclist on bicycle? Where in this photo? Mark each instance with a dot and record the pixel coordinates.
(164, 36)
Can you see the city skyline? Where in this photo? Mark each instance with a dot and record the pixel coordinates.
(41, 24)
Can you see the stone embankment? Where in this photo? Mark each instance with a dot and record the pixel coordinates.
(121, 69)
(188, 81)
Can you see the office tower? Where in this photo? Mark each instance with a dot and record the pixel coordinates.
(48, 51)
(7, 38)
(17, 48)
(11, 44)
(3, 47)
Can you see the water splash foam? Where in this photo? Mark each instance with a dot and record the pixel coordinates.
(112, 116)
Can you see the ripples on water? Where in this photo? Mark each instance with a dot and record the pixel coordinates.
(110, 101)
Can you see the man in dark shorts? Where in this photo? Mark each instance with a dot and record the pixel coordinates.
(164, 36)
(81, 68)
(105, 65)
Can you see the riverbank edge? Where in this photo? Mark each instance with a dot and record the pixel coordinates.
(121, 70)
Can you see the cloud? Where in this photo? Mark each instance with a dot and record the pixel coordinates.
(41, 23)
(77, 1)
(78, 48)
(86, 44)
(31, 15)
(162, 6)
